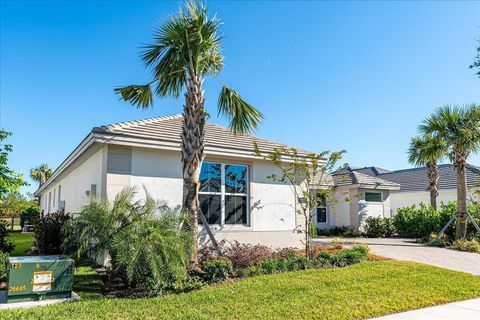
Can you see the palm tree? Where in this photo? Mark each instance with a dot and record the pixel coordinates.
(459, 128)
(41, 173)
(185, 51)
(427, 150)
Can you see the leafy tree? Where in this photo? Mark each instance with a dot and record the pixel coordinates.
(14, 203)
(476, 62)
(186, 50)
(10, 181)
(459, 128)
(41, 173)
(311, 183)
(427, 151)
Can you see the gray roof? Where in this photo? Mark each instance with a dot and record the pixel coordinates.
(169, 128)
(416, 179)
(351, 176)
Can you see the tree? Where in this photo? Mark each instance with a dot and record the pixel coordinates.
(311, 183)
(10, 181)
(41, 173)
(459, 128)
(428, 150)
(186, 50)
(476, 62)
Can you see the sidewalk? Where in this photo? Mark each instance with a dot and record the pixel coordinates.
(463, 310)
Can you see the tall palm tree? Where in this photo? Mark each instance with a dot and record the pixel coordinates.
(41, 173)
(459, 127)
(185, 51)
(428, 150)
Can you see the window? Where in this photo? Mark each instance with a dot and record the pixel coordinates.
(373, 196)
(322, 211)
(59, 195)
(49, 201)
(93, 191)
(224, 193)
(54, 193)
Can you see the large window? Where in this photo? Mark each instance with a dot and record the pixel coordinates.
(224, 193)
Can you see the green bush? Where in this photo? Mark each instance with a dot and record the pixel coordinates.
(378, 227)
(3, 266)
(28, 215)
(6, 245)
(47, 230)
(218, 269)
(338, 232)
(355, 254)
(467, 245)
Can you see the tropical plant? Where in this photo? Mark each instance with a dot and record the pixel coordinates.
(41, 173)
(10, 181)
(47, 230)
(309, 177)
(144, 239)
(6, 245)
(476, 62)
(185, 51)
(428, 150)
(459, 128)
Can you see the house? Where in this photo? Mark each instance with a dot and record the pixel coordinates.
(358, 196)
(239, 201)
(414, 184)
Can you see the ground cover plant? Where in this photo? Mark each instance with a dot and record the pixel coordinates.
(373, 289)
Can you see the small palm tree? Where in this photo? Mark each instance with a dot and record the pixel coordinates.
(459, 128)
(41, 173)
(185, 51)
(427, 151)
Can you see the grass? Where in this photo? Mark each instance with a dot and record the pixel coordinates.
(16, 223)
(360, 291)
(22, 241)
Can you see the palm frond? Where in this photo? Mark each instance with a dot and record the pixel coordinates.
(138, 95)
(243, 117)
(426, 150)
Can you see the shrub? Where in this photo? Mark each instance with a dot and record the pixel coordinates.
(218, 269)
(338, 232)
(6, 245)
(343, 258)
(47, 230)
(443, 241)
(28, 215)
(466, 245)
(148, 247)
(416, 223)
(377, 227)
(3, 266)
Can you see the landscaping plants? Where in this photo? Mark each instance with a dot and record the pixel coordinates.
(6, 245)
(47, 229)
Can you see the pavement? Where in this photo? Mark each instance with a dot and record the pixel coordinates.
(463, 310)
(408, 249)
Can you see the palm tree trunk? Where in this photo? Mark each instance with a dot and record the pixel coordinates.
(461, 227)
(193, 143)
(433, 184)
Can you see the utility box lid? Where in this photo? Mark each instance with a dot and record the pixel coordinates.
(36, 259)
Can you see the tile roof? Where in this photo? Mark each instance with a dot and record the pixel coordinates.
(169, 128)
(351, 176)
(415, 179)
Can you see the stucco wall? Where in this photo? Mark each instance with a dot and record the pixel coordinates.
(75, 182)
(404, 199)
(272, 217)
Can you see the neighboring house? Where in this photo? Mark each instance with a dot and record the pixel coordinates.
(238, 200)
(414, 184)
(358, 196)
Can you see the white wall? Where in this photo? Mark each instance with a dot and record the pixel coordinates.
(272, 205)
(75, 181)
(405, 199)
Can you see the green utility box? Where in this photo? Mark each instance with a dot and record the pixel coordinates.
(39, 278)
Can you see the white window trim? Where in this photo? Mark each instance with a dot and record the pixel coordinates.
(222, 194)
(377, 192)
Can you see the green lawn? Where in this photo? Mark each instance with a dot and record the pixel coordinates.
(357, 292)
(22, 241)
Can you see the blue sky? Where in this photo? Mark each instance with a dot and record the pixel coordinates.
(358, 76)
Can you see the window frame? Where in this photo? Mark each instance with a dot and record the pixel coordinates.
(374, 192)
(223, 193)
(321, 205)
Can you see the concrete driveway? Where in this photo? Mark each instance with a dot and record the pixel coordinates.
(408, 249)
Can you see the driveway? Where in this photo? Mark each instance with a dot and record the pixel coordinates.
(408, 249)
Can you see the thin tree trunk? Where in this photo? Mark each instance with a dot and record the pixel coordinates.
(433, 184)
(193, 143)
(461, 227)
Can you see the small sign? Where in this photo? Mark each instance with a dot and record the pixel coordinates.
(41, 287)
(42, 281)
